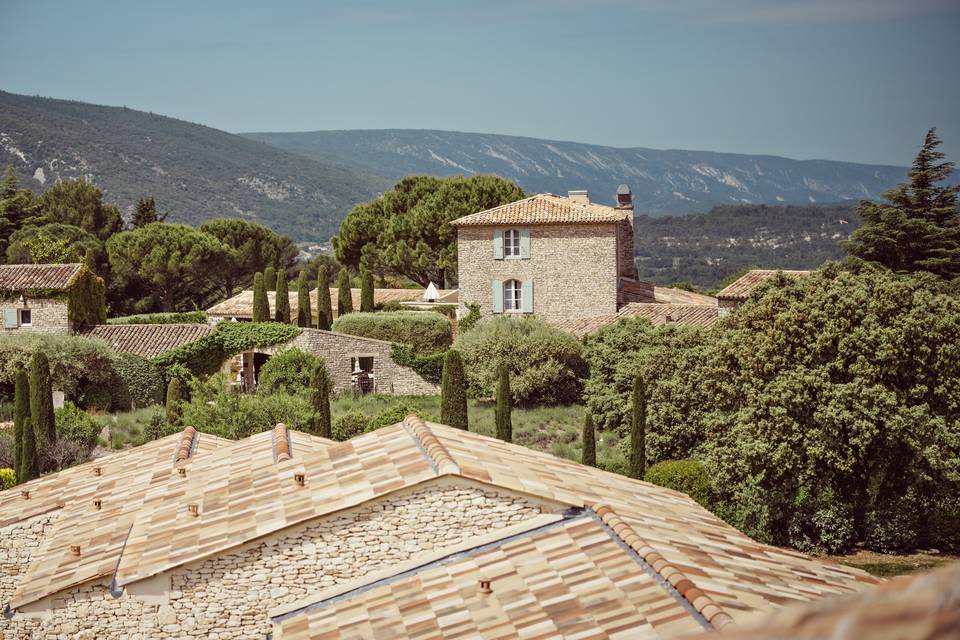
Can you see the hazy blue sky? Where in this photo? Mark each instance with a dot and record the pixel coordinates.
(841, 79)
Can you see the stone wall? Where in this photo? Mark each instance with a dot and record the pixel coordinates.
(574, 269)
(229, 596)
(17, 544)
(628, 265)
(47, 316)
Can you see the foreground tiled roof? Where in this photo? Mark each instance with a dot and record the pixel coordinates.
(741, 288)
(19, 277)
(627, 536)
(241, 305)
(544, 208)
(147, 340)
(689, 315)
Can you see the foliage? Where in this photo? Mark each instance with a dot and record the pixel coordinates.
(470, 320)
(320, 387)
(261, 306)
(95, 397)
(429, 367)
(251, 248)
(177, 394)
(205, 356)
(24, 445)
(282, 300)
(41, 402)
(287, 371)
(349, 425)
(73, 360)
(344, 295)
(366, 291)
(304, 311)
(76, 425)
(504, 405)
(638, 428)
(183, 317)
(918, 229)
(324, 309)
(425, 332)
(145, 212)
(589, 442)
(686, 476)
(80, 204)
(8, 479)
(545, 363)
(52, 243)
(139, 380)
(406, 231)
(270, 278)
(453, 392)
(87, 301)
(393, 415)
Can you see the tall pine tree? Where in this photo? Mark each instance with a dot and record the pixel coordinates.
(453, 392)
(344, 295)
(41, 403)
(502, 414)
(638, 429)
(282, 303)
(324, 308)
(24, 442)
(918, 228)
(320, 399)
(261, 305)
(589, 454)
(304, 308)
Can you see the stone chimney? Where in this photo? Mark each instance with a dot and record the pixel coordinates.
(580, 196)
(625, 200)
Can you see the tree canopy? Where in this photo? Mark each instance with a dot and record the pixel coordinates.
(251, 248)
(406, 231)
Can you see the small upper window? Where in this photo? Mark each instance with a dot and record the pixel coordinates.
(512, 295)
(511, 243)
(26, 318)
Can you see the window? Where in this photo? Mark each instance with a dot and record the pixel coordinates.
(511, 243)
(26, 318)
(512, 292)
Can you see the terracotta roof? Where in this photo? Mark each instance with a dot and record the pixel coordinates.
(147, 340)
(924, 606)
(241, 305)
(670, 295)
(689, 315)
(19, 277)
(741, 288)
(543, 208)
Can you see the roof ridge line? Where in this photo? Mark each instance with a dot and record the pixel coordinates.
(703, 604)
(184, 450)
(282, 447)
(440, 459)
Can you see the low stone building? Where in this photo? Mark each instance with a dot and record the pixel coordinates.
(413, 530)
(737, 292)
(35, 298)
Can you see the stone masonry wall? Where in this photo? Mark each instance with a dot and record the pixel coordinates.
(17, 544)
(574, 269)
(628, 265)
(47, 316)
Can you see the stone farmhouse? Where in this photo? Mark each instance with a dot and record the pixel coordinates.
(35, 297)
(415, 530)
(737, 292)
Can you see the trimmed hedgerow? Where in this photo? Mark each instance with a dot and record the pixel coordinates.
(425, 332)
(182, 317)
(138, 381)
(204, 357)
(429, 367)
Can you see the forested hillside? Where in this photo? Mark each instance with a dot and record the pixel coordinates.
(196, 172)
(703, 249)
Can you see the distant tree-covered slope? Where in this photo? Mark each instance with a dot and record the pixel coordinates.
(663, 181)
(703, 249)
(195, 172)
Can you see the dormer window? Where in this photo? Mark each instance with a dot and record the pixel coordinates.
(511, 243)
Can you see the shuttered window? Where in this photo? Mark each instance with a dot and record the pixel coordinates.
(498, 244)
(524, 244)
(512, 295)
(526, 296)
(9, 318)
(497, 296)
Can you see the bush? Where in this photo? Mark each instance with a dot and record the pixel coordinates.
(96, 397)
(76, 425)
(392, 415)
(205, 356)
(430, 367)
(546, 365)
(287, 371)
(470, 320)
(424, 332)
(350, 424)
(687, 476)
(74, 361)
(8, 478)
(139, 383)
(182, 317)
(231, 415)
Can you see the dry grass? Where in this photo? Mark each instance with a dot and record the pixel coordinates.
(888, 565)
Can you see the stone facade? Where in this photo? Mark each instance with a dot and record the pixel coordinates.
(628, 268)
(48, 316)
(17, 544)
(229, 596)
(574, 269)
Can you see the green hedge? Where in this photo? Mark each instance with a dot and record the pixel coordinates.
(184, 317)
(205, 356)
(287, 372)
(425, 332)
(429, 367)
(139, 383)
(8, 478)
(687, 476)
(75, 362)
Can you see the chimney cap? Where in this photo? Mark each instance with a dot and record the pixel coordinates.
(623, 190)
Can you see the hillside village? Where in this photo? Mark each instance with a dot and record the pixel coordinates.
(473, 419)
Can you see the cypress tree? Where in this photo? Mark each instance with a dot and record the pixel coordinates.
(304, 309)
(270, 278)
(282, 304)
(324, 310)
(41, 402)
(366, 291)
(320, 399)
(261, 306)
(504, 406)
(24, 442)
(589, 455)
(344, 295)
(176, 395)
(638, 429)
(453, 392)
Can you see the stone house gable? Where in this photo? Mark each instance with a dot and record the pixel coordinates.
(33, 298)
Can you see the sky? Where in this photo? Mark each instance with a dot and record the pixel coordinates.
(857, 80)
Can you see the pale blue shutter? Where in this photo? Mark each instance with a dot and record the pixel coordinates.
(526, 296)
(497, 296)
(10, 318)
(524, 243)
(498, 244)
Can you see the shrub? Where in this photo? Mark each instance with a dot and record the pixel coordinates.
(138, 380)
(41, 401)
(392, 415)
(261, 304)
(205, 356)
(73, 360)
(96, 397)
(320, 387)
(430, 367)
(282, 300)
(324, 308)
(304, 311)
(470, 320)
(287, 371)
(366, 291)
(588, 439)
(8, 478)
(502, 414)
(270, 278)
(232, 415)
(545, 364)
(350, 424)
(176, 396)
(158, 427)
(77, 425)
(453, 392)
(687, 476)
(424, 332)
(344, 295)
(182, 317)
